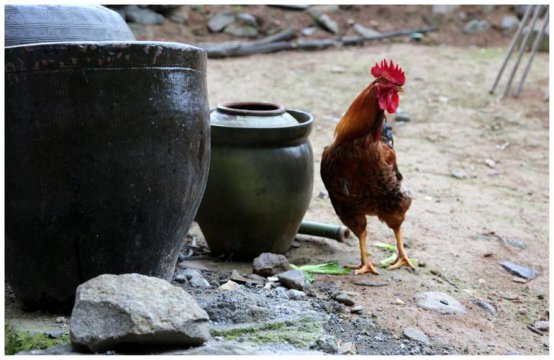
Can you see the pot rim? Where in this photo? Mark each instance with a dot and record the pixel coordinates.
(72, 55)
(240, 136)
(251, 108)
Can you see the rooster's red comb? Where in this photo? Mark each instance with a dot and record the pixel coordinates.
(390, 72)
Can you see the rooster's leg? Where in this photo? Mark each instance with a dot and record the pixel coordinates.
(402, 259)
(367, 264)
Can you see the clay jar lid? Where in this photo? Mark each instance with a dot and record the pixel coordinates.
(258, 115)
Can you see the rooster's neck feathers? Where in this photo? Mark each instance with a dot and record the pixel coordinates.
(362, 118)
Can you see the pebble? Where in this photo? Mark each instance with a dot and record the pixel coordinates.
(490, 163)
(269, 264)
(358, 309)
(337, 70)
(518, 270)
(522, 310)
(61, 319)
(294, 294)
(439, 302)
(542, 325)
(458, 174)
(509, 22)
(516, 243)
(229, 285)
(365, 31)
(402, 116)
(328, 344)
(219, 21)
(273, 279)
(194, 278)
(519, 280)
(344, 299)
(416, 334)
(399, 302)
(347, 348)
(486, 306)
(476, 26)
(309, 31)
(293, 279)
(328, 24)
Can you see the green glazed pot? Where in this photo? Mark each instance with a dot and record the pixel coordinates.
(260, 180)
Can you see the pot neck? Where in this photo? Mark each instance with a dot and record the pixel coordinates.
(251, 108)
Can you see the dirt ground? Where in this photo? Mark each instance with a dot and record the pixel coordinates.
(458, 228)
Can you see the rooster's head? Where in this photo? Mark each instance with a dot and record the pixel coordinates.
(389, 81)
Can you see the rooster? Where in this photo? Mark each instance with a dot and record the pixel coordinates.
(359, 168)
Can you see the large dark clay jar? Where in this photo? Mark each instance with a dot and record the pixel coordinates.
(31, 24)
(107, 157)
(260, 181)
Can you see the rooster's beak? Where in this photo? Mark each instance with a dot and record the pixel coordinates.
(399, 89)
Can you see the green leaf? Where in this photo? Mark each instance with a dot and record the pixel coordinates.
(390, 247)
(330, 268)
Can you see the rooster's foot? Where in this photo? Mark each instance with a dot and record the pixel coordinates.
(367, 267)
(401, 261)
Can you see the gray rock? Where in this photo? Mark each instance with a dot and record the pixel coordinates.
(133, 308)
(179, 15)
(365, 31)
(230, 285)
(358, 309)
(347, 348)
(328, 344)
(199, 282)
(268, 264)
(444, 9)
(542, 325)
(194, 278)
(256, 278)
(476, 26)
(328, 24)
(518, 270)
(140, 31)
(344, 299)
(458, 174)
(219, 21)
(236, 307)
(416, 334)
(247, 19)
(401, 116)
(135, 14)
(509, 22)
(317, 10)
(293, 279)
(240, 30)
(485, 306)
(439, 302)
(296, 294)
(516, 243)
(309, 31)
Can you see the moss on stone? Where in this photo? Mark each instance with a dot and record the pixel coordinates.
(299, 333)
(16, 341)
